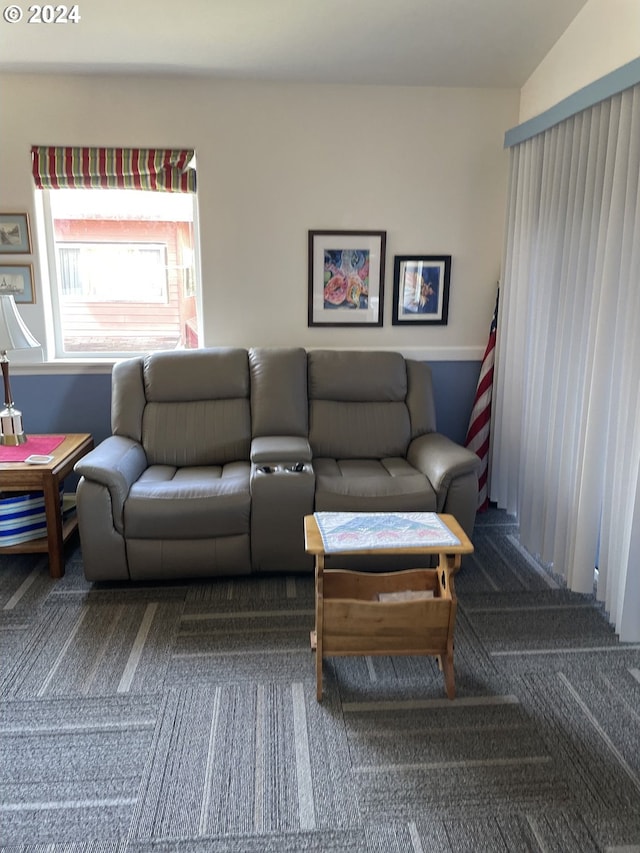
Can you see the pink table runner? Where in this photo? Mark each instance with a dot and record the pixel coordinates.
(41, 444)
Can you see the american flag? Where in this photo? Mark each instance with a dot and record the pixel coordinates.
(480, 420)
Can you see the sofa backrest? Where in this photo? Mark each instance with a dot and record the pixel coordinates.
(420, 401)
(366, 404)
(278, 391)
(202, 407)
(188, 407)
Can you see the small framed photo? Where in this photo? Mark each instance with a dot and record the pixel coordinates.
(346, 278)
(15, 235)
(421, 289)
(17, 279)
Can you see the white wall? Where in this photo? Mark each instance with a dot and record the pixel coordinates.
(426, 165)
(604, 36)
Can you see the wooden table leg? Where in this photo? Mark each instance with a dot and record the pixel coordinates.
(53, 516)
(447, 566)
(319, 622)
(449, 675)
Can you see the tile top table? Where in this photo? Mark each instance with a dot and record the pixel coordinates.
(46, 477)
(407, 612)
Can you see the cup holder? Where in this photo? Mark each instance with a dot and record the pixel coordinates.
(294, 468)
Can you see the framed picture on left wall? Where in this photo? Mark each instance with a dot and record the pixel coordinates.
(17, 279)
(15, 235)
(346, 278)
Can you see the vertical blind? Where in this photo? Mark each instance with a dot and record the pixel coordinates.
(566, 443)
(164, 170)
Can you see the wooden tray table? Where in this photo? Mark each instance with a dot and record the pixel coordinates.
(352, 620)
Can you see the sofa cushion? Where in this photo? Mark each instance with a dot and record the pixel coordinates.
(202, 432)
(197, 408)
(279, 391)
(359, 430)
(357, 404)
(217, 373)
(357, 376)
(370, 485)
(190, 503)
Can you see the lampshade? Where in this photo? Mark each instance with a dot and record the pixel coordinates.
(13, 335)
(13, 332)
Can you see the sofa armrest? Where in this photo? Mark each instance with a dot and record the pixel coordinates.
(115, 463)
(441, 460)
(280, 448)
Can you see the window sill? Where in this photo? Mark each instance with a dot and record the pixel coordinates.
(65, 366)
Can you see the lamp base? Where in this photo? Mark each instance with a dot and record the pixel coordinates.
(11, 431)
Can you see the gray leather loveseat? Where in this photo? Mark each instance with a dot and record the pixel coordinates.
(216, 455)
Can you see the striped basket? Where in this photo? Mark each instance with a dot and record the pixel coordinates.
(22, 516)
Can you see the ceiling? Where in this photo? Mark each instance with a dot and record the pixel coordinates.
(386, 42)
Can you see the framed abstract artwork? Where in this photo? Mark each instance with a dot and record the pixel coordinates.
(346, 278)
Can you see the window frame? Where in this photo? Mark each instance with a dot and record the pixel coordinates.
(53, 308)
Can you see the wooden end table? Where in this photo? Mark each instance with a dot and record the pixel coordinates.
(46, 478)
(352, 620)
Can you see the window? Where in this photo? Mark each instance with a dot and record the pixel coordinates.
(113, 272)
(122, 262)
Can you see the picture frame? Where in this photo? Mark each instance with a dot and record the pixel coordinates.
(346, 278)
(15, 234)
(17, 279)
(421, 290)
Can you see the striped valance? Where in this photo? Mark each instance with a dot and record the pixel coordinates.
(166, 170)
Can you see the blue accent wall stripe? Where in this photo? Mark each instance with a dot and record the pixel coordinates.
(611, 84)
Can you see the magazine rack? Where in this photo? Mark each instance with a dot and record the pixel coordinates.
(409, 612)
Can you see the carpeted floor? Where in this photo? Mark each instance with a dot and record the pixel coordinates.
(182, 717)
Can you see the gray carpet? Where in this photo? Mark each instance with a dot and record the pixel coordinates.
(182, 717)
